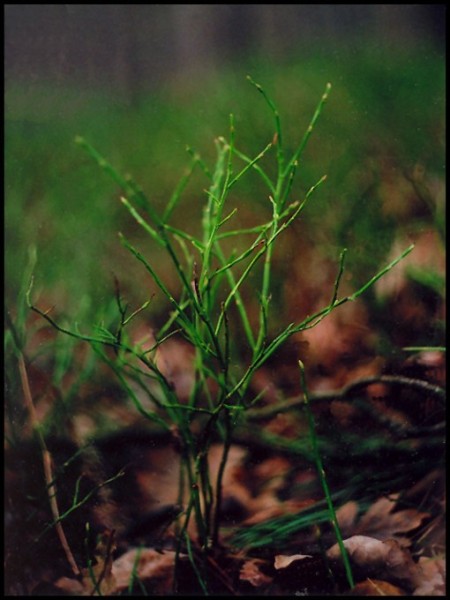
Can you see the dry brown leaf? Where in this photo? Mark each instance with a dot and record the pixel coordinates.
(261, 500)
(387, 560)
(272, 472)
(157, 476)
(71, 587)
(272, 510)
(250, 571)
(282, 561)
(267, 506)
(145, 564)
(381, 523)
(364, 551)
(351, 355)
(99, 580)
(431, 578)
(235, 479)
(174, 359)
(400, 563)
(375, 587)
(428, 254)
(346, 516)
(403, 299)
(285, 425)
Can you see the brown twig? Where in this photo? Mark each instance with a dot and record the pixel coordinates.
(342, 394)
(47, 463)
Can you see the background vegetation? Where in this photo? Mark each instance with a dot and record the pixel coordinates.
(384, 122)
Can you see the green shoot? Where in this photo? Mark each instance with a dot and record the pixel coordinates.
(209, 311)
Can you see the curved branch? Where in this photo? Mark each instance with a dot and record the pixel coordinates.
(351, 388)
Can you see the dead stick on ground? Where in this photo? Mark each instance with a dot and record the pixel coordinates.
(47, 462)
(342, 394)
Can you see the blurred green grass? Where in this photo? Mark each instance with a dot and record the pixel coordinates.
(384, 117)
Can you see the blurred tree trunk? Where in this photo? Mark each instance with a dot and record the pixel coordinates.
(193, 36)
(133, 47)
(128, 53)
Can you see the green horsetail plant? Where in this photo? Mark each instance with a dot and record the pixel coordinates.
(322, 475)
(211, 290)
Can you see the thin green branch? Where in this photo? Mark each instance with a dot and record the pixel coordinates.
(249, 166)
(200, 578)
(278, 136)
(380, 274)
(258, 169)
(339, 276)
(297, 154)
(322, 476)
(176, 196)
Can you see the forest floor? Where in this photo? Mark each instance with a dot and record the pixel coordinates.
(380, 427)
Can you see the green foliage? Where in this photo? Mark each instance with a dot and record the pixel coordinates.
(210, 311)
(385, 108)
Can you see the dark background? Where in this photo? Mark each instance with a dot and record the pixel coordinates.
(133, 48)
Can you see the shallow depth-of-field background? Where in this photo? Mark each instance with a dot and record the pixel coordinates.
(383, 126)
